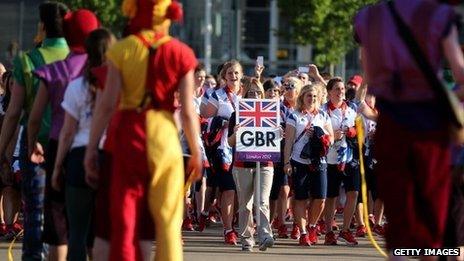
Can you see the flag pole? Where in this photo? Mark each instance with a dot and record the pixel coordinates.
(258, 195)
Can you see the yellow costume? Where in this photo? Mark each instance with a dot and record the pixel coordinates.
(148, 157)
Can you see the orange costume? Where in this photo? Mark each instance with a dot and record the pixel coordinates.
(147, 157)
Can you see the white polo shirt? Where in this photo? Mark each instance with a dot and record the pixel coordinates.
(341, 118)
(300, 121)
(221, 101)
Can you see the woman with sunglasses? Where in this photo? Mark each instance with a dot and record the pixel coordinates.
(243, 173)
(308, 124)
(291, 87)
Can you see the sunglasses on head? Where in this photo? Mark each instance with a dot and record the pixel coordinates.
(289, 86)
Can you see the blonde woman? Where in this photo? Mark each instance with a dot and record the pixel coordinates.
(222, 104)
(291, 88)
(308, 124)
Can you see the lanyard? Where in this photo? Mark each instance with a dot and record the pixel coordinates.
(308, 125)
(229, 97)
(343, 108)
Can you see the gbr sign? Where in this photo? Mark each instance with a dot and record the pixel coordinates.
(258, 138)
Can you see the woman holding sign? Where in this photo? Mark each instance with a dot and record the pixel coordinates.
(244, 173)
(308, 135)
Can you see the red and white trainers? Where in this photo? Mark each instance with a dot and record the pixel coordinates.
(312, 234)
(275, 223)
(304, 240)
(361, 231)
(230, 238)
(17, 227)
(347, 237)
(379, 230)
(236, 233)
(202, 222)
(282, 231)
(330, 238)
(295, 232)
(214, 215)
(187, 225)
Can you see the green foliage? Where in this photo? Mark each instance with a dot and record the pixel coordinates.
(326, 24)
(108, 12)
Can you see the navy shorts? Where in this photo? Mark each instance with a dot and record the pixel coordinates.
(307, 183)
(350, 177)
(280, 179)
(371, 183)
(222, 178)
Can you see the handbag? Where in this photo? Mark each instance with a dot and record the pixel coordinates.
(447, 98)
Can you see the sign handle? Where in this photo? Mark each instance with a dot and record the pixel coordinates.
(258, 195)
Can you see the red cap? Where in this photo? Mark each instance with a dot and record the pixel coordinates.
(77, 26)
(356, 80)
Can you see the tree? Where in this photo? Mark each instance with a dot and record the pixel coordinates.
(108, 12)
(325, 24)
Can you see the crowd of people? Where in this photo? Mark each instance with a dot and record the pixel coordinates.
(107, 146)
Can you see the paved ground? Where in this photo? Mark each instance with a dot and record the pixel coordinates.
(209, 246)
(201, 246)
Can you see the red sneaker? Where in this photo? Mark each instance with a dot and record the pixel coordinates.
(361, 231)
(230, 238)
(304, 240)
(347, 237)
(17, 227)
(214, 217)
(330, 238)
(202, 222)
(339, 210)
(312, 234)
(321, 227)
(282, 231)
(235, 233)
(379, 230)
(295, 232)
(275, 223)
(187, 225)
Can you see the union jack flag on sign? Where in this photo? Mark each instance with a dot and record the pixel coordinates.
(258, 113)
